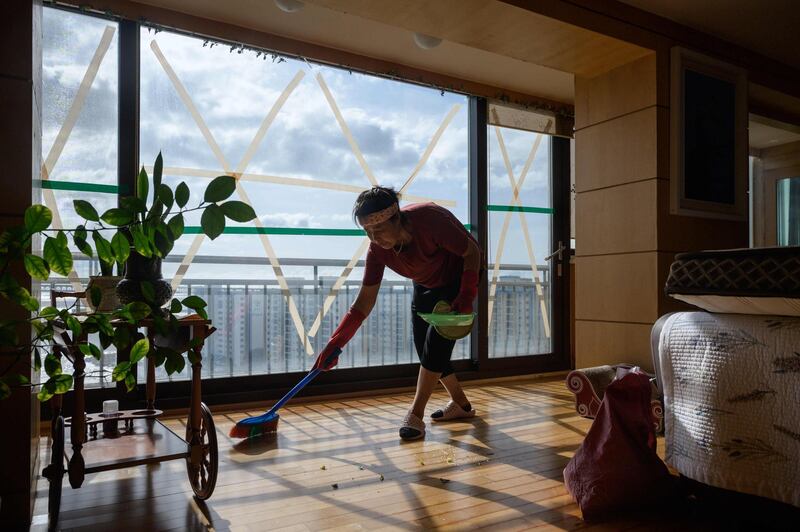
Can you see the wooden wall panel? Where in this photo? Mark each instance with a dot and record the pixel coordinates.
(617, 151)
(597, 99)
(618, 287)
(618, 230)
(609, 343)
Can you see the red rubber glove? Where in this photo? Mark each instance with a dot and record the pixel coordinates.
(346, 330)
(462, 304)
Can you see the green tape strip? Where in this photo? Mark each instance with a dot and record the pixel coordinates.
(516, 208)
(246, 230)
(194, 230)
(53, 184)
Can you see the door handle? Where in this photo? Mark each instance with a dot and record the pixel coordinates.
(558, 252)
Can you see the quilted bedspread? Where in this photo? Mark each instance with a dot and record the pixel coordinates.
(732, 395)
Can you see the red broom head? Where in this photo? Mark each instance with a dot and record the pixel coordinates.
(250, 431)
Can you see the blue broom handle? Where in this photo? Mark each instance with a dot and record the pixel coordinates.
(302, 384)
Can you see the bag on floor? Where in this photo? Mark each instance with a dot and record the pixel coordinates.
(617, 466)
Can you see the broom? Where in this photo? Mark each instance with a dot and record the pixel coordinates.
(268, 422)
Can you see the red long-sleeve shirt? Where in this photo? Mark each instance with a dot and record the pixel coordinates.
(433, 258)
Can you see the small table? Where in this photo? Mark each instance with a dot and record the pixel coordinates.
(143, 439)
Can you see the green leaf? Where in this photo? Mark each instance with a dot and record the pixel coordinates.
(182, 194)
(48, 390)
(122, 337)
(174, 363)
(91, 350)
(194, 302)
(5, 390)
(175, 306)
(163, 240)
(212, 221)
(120, 370)
(238, 211)
(130, 381)
(56, 253)
(15, 379)
(37, 267)
(133, 204)
(140, 241)
(82, 245)
(202, 313)
(52, 365)
(165, 195)
(138, 310)
(157, 170)
(219, 189)
(23, 297)
(74, 325)
(37, 359)
(121, 247)
(175, 225)
(63, 383)
(139, 350)
(194, 358)
(37, 218)
(117, 216)
(48, 313)
(161, 325)
(103, 246)
(148, 291)
(86, 210)
(105, 340)
(142, 184)
(95, 296)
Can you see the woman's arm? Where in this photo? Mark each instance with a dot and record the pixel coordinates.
(367, 295)
(472, 256)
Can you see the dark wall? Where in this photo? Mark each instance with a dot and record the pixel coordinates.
(20, 153)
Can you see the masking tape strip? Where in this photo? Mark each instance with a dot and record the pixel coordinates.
(63, 135)
(334, 292)
(184, 95)
(187, 101)
(291, 181)
(346, 130)
(267, 122)
(77, 104)
(431, 145)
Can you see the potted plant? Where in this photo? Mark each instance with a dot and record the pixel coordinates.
(136, 235)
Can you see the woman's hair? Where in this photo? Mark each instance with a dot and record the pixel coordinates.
(373, 200)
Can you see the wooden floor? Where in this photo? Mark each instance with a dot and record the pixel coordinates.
(340, 465)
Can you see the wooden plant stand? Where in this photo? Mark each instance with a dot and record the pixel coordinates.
(141, 438)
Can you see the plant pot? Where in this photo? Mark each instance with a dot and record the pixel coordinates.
(108, 295)
(138, 269)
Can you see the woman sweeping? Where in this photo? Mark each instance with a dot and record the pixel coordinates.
(427, 244)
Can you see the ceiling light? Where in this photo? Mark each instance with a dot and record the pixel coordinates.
(426, 42)
(289, 6)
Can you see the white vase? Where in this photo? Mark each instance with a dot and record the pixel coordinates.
(108, 295)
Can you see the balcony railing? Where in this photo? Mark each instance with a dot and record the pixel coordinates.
(255, 334)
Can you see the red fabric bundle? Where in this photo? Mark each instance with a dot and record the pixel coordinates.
(616, 466)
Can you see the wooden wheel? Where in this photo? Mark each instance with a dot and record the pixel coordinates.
(202, 462)
(54, 472)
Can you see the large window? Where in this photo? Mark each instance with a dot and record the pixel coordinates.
(303, 140)
(79, 134)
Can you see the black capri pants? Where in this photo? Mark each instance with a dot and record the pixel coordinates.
(434, 350)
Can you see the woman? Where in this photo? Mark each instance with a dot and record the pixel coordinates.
(427, 244)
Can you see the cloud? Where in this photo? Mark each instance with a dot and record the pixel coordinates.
(288, 219)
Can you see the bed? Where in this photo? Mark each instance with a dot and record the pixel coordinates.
(730, 378)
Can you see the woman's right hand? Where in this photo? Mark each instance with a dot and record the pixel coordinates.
(325, 361)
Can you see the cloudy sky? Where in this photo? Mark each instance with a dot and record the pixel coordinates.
(391, 122)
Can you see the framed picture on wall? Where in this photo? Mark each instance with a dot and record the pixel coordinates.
(708, 144)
